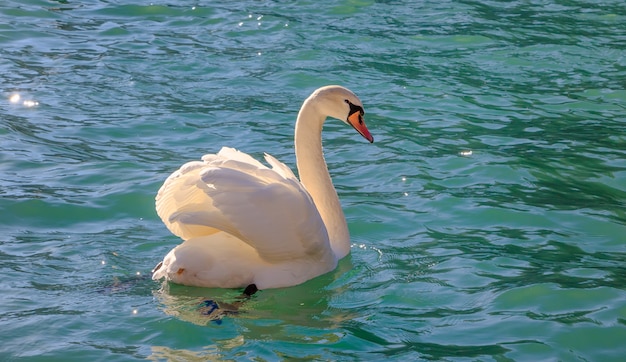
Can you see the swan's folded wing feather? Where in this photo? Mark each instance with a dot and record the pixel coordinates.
(180, 194)
(229, 153)
(280, 167)
(274, 215)
(267, 208)
(183, 193)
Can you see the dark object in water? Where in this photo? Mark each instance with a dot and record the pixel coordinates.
(250, 290)
(216, 311)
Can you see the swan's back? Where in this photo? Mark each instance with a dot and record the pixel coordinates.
(266, 208)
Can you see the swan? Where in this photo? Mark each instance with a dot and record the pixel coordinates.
(244, 223)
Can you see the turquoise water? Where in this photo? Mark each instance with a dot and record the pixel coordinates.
(488, 218)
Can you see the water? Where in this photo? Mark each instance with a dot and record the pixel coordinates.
(487, 219)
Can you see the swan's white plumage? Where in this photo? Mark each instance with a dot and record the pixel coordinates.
(243, 222)
(233, 193)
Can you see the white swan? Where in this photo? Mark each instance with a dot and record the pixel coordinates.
(244, 223)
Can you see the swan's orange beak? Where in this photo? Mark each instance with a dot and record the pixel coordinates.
(356, 121)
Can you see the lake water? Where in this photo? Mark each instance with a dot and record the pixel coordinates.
(488, 218)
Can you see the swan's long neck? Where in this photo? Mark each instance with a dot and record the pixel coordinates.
(315, 177)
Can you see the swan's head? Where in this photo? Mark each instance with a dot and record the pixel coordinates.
(340, 103)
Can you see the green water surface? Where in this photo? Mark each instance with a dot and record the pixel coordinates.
(488, 218)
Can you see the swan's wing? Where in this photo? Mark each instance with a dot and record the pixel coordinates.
(180, 194)
(183, 193)
(280, 167)
(266, 208)
(228, 153)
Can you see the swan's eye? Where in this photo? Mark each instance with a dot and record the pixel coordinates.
(354, 109)
(347, 101)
